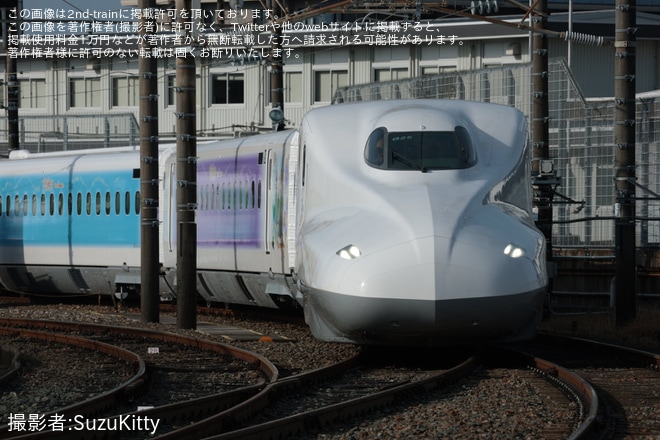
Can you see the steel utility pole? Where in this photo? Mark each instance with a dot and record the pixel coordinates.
(625, 284)
(542, 167)
(11, 43)
(186, 173)
(149, 250)
(277, 73)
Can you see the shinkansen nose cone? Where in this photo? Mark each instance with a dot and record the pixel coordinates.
(475, 274)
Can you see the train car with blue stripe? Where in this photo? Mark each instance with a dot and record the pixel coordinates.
(69, 222)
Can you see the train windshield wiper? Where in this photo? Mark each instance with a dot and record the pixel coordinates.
(405, 160)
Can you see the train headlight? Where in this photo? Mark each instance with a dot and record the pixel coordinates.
(514, 251)
(350, 252)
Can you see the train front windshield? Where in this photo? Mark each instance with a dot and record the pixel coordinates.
(420, 150)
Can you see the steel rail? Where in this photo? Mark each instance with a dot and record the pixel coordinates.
(633, 359)
(259, 362)
(296, 424)
(584, 391)
(168, 414)
(227, 421)
(100, 402)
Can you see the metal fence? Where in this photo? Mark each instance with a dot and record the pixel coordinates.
(41, 133)
(581, 143)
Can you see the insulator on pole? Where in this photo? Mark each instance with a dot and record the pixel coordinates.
(579, 37)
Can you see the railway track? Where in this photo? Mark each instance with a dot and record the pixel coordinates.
(624, 400)
(238, 380)
(228, 412)
(292, 406)
(599, 388)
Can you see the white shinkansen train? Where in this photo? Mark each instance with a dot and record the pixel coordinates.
(390, 222)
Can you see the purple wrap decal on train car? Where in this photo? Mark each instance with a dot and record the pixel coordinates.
(230, 193)
(277, 203)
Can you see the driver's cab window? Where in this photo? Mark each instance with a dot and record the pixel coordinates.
(420, 150)
(375, 150)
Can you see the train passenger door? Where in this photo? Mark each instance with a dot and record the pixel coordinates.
(267, 197)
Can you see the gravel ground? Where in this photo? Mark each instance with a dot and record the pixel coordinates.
(485, 405)
(61, 367)
(302, 353)
(492, 403)
(643, 333)
(37, 392)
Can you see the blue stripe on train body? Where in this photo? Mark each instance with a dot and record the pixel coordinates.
(61, 209)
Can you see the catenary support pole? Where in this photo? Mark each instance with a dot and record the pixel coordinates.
(542, 169)
(149, 250)
(625, 284)
(277, 72)
(186, 173)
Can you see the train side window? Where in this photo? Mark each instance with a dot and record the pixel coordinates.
(8, 206)
(247, 194)
(43, 204)
(253, 187)
(303, 165)
(232, 197)
(238, 200)
(88, 203)
(127, 206)
(241, 198)
(98, 203)
(1, 210)
(25, 205)
(241, 194)
(117, 203)
(51, 203)
(79, 203)
(17, 205)
(60, 204)
(34, 205)
(137, 203)
(70, 204)
(108, 203)
(259, 195)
